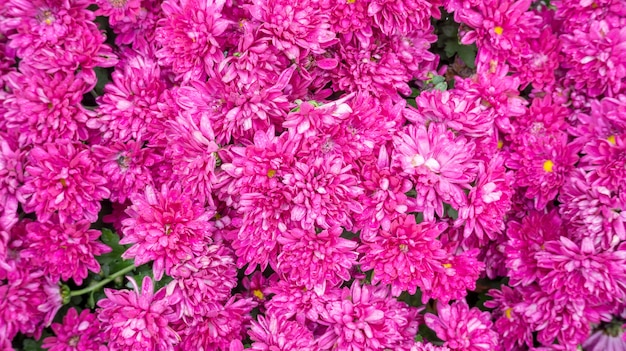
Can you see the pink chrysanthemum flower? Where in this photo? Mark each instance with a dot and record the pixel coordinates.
(592, 211)
(66, 250)
(202, 280)
(192, 151)
(76, 333)
(256, 286)
(139, 33)
(126, 167)
(275, 333)
(138, 320)
(328, 258)
(539, 61)
(294, 27)
(188, 32)
(510, 323)
(119, 10)
(293, 301)
(11, 176)
(384, 198)
(542, 164)
(609, 339)
(596, 58)
(368, 318)
(527, 238)
(419, 346)
(463, 328)
(28, 302)
(62, 177)
(488, 201)
(220, 327)
(46, 107)
(167, 227)
(607, 161)
(406, 256)
(128, 109)
(582, 269)
(459, 274)
(237, 103)
(350, 19)
(393, 17)
(545, 115)
(439, 163)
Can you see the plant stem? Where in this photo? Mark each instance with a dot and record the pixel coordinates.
(103, 282)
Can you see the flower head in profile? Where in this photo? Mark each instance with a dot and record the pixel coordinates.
(77, 332)
(275, 333)
(138, 319)
(167, 227)
(62, 177)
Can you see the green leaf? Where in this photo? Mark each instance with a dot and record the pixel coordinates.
(32, 345)
(467, 53)
(112, 261)
(103, 78)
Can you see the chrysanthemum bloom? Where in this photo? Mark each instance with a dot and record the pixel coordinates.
(542, 164)
(140, 32)
(217, 329)
(349, 20)
(236, 102)
(252, 184)
(128, 108)
(606, 158)
(62, 177)
(256, 286)
(294, 27)
(324, 191)
(427, 347)
(539, 61)
(46, 107)
(203, 279)
(403, 17)
(76, 333)
(119, 10)
(276, 333)
(488, 201)
(290, 300)
(11, 173)
(191, 151)
(126, 167)
(545, 115)
(315, 260)
(500, 27)
(167, 227)
(463, 328)
(527, 238)
(463, 114)
(439, 163)
(459, 274)
(138, 320)
(406, 256)
(28, 302)
(512, 326)
(596, 58)
(592, 211)
(368, 318)
(189, 31)
(66, 250)
(384, 198)
(582, 269)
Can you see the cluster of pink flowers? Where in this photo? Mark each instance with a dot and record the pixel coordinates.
(292, 177)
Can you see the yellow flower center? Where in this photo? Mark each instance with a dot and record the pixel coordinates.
(548, 165)
(507, 312)
(259, 294)
(500, 144)
(611, 139)
(499, 30)
(350, 1)
(63, 182)
(404, 247)
(271, 173)
(447, 265)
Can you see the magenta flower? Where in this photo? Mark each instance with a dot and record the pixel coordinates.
(316, 260)
(293, 301)
(76, 333)
(610, 339)
(427, 347)
(125, 11)
(367, 318)
(166, 227)
(406, 256)
(202, 280)
(189, 31)
(275, 333)
(66, 250)
(607, 161)
(403, 17)
(511, 323)
(440, 165)
(62, 177)
(138, 320)
(46, 107)
(463, 328)
(459, 274)
(11, 176)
